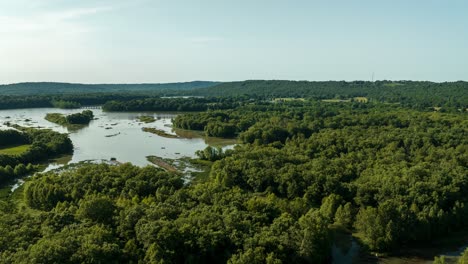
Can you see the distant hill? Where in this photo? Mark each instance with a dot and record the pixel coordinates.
(448, 96)
(54, 88)
(415, 93)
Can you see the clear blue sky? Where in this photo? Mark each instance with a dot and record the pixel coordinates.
(116, 41)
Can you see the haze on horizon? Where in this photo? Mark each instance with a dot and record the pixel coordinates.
(143, 41)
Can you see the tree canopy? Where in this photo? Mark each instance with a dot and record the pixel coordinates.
(391, 175)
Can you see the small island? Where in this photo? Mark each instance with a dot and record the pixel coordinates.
(159, 132)
(82, 118)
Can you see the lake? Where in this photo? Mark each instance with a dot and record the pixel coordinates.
(117, 135)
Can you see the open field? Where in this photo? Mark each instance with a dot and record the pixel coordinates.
(336, 100)
(354, 99)
(394, 84)
(288, 99)
(361, 99)
(14, 150)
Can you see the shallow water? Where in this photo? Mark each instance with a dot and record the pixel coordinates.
(115, 135)
(346, 250)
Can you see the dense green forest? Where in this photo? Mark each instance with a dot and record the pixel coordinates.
(68, 95)
(421, 95)
(171, 104)
(40, 145)
(82, 118)
(63, 101)
(391, 170)
(445, 97)
(65, 104)
(391, 176)
(384, 164)
(227, 123)
(126, 214)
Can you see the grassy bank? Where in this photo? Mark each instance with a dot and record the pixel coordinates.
(159, 132)
(14, 149)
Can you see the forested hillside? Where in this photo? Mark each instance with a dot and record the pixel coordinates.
(445, 97)
(68, 95)
(171, 104)
(52, 88)
(63, 101)
(419, 95)
(379, 164)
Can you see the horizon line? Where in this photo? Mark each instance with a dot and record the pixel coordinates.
(230, 81)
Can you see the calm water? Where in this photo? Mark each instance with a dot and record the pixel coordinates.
(346, 250)
(116, 135)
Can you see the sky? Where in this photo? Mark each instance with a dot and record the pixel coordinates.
(152, 41)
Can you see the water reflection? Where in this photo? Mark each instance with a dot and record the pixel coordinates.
(347, 250)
